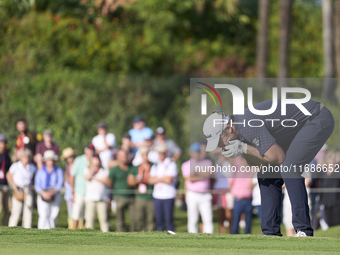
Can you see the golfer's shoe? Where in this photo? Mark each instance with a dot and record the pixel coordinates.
(300, 234)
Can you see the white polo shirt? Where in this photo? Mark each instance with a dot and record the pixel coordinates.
(22, 176)
(98, 143)
(161, 169)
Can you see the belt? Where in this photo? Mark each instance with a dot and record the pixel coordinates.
(318, 111)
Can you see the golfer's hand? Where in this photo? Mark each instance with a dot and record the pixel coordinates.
(234, 149)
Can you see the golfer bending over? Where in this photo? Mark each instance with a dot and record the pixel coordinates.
(288, 141)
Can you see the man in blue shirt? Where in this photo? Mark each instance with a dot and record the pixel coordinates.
(287, 141)
(139, 132)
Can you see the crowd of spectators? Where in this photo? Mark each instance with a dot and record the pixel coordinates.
(139, 178)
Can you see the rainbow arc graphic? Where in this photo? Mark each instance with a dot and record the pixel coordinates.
(209, 93)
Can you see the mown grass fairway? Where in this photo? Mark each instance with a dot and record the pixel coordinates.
(63, 241)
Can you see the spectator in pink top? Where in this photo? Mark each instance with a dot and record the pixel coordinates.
(198, 197)
(241, 187)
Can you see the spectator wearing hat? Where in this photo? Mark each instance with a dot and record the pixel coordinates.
(5, 164)
(44, 145)
(103, 143)
(78, 184)
(123, 193)
(48, 184)
(198, 197)
(152, 155)
(163, 176)
(139, 177)
(95, 195)
(126, 146)
(68, 155)
(174, 152)
(139, 132)
(25, 140)
(20, 177)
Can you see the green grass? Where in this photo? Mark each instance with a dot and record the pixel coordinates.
(64, 241)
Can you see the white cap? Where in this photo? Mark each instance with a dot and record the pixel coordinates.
(49, 154)
(213, 127)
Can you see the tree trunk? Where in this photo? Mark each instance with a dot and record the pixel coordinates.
(328, 53)
(262, 39)
(285, 17)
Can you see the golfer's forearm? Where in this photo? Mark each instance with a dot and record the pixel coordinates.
(254, 156)
(252, 161)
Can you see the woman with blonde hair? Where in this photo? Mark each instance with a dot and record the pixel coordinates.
(20, 177)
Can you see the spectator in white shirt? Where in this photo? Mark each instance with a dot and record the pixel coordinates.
(20, 176)
(103, 143)
(174, 152)
(152, 155)
(164, 176)
(95, 196)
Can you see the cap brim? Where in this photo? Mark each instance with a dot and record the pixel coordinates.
(212, 144)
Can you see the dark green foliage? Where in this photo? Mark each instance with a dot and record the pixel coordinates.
(72, 103)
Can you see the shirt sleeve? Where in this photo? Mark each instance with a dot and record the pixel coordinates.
(34, 168)
(172, 170)
(149, 132)
(38, 149)
(137, 159)
(174, 147)
(12, 169)
(37, 181)
(259, 137)
(133, 170)
(94, 141)
(111, 140)
(112, 174)
(60, 180)
(74, 168)
(186, 169)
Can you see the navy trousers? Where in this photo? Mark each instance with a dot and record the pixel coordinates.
(302, 150)
(164, 213)
(242, 206)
